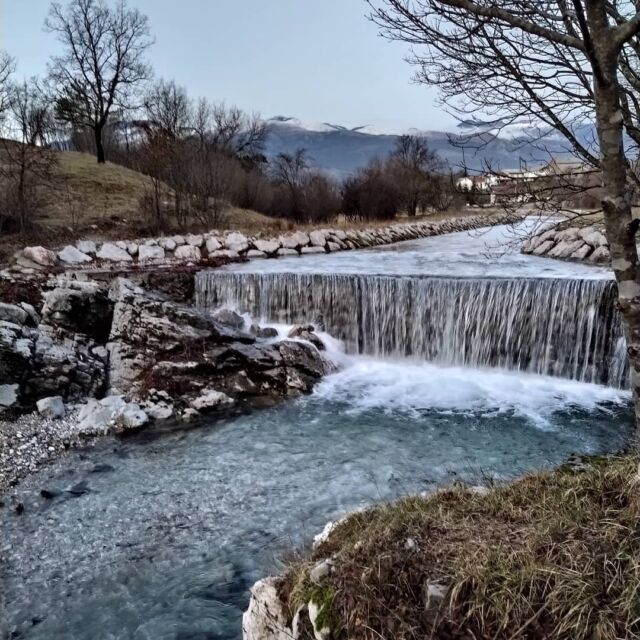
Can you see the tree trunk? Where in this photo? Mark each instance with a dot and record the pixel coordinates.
(97, 132)
(620, 226)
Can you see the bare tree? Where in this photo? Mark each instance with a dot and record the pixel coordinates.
(102, 64)
(415, 166)
(27, 165)
(555, 63)
(289, 170)
(7, 67)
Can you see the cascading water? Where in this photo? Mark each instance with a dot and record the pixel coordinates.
(555, 326)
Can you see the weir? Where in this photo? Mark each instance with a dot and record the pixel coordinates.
(554, 326)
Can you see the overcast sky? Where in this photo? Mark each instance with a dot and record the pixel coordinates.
(317, 60)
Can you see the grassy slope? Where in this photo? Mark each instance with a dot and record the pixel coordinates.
(554, 555)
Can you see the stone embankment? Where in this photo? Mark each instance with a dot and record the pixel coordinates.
(100, 359)
(196, 248)
(581, 244)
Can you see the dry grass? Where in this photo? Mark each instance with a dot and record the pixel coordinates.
(554, 555)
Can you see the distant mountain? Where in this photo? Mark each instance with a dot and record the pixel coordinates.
(340, 150)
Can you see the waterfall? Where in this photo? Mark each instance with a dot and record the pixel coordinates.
(561, 327)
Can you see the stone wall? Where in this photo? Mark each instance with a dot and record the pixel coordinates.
(582, 244)
(196, 248)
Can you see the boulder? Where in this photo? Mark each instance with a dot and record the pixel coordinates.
(287, 252)
(195, 240)
(187, 253)
(600, 255)
(179, 240)
(112, 414)
(582, 252)
(40, 256)
(51, 407)
(263, 332)
(113, 253)
(543, 248)
(13, 313)
(594, 238)
(86, 246)
(294, 240)
(133, 248)
(150, 253)
(308, 250)
(229, 318)
(71, 255)
(213, 244)
(254, 253)
(334, 246)
(565, 248)
(9, 395)
(267, 246)
(224, 253)
(211, 399)
(306, 332)
(266, 617)
(236, 242)
(317, 238)
(168, 244)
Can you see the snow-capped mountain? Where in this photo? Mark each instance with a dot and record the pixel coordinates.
(341, 150)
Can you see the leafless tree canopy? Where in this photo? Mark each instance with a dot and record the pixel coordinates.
(102, 64)
(559, 63)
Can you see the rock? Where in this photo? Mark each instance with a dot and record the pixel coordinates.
(600, 255)
(333, 246)
(8, 395)
(265, 618)
(229, 318)
(308, 250)
(179, 240)
(13, 313)
(194, 240)
(71, 255)
(112, 253)
(314, 609)
(307, 333)
(52, 407)
(287, 252)
(111, 414)
(263, 332)
(570, 234)
(187, 253)
(543, 248)
(434, 594)
(410, 544)
(267, 246)
(582, 252)
(593, 237)
(254, 253)
(317, 238)
(294, 240)
(133, 248)
(213, 244)
(236, 242)
(168, 244)
(189, 415)
(158, 410)
(321, 571)
(34, 317)
(40, 256)
(565, 248)
(224, 253)
(147, 253)
(86, 246)
(211, 399)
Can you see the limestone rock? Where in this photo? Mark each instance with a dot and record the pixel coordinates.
(40, 255)
(565, 248)
(179, 240)
(543, 248)
(112, 414)
(187, 253)
(86, 246)
(213, 244)
(294, 240)
(317, 238)
(308, 250)
(333, 246)
(321, 571)
(267, 246)
(133, 248)
(265, 618)
(71, 255)
(582, 252)
(211, 399)
(600, 255)
(287, 252)
(254, 253)
(168, 244)
(594, 238)
(113, 253)
(13, 313)
(51, 407)
(150, 253)
(195, 240)
(8, 395)
(236, 242)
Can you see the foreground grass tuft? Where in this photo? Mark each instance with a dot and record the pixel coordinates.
(554, 555)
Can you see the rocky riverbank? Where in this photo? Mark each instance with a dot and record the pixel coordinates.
(105, 358)
(578, 243)
(207, 248)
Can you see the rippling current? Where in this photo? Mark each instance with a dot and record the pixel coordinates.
(160, 536)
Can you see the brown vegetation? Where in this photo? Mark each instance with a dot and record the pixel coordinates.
(554, 555)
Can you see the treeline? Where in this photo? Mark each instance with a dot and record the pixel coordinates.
(99, 96)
